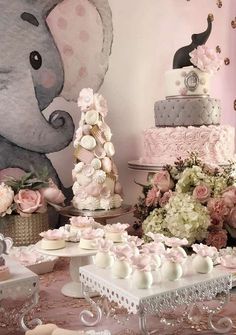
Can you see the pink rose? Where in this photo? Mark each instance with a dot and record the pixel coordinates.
(29, 201)
(217, 239)
(153, 196)
(202, 193)
(165, 198)
(217, 208)
(231, 219)
(52, 194)
(163, 181)
(229, 196)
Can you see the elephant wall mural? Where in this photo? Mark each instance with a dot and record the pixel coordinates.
(43, 55)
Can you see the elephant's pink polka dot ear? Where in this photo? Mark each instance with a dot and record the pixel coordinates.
(80, 10)
(83, 72)
(68, 50)
(84, 36)
(82, 29)
(62, 23)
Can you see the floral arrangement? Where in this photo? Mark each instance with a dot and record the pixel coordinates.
(29, 194)
(191, 200)
(206, 59)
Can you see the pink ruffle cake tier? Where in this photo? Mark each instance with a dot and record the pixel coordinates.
(214, 144)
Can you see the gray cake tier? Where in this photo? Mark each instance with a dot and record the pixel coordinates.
(187, 112)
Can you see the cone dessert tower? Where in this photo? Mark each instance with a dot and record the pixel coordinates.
(95, 175)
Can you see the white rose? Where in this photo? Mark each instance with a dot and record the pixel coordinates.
(6, 199)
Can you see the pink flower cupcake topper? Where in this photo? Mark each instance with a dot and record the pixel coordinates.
(116, 228)
(134, 241)
(91, 234)
(141, 262)
(82, 221)
(173, 255)
(123, 252)
(175, 242)
(54, 234)
(156, 248)
(204, 251)
(104, 245)
(228, 261)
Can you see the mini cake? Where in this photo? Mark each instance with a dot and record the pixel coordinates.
(116, 232)
(80, 223)
(53, 239)
(69, 234)
(4, 270)
(89, 238)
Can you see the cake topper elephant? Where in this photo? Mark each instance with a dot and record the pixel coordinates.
(31, 76)
(181, 57)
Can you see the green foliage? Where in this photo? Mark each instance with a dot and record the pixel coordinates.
(33, 180)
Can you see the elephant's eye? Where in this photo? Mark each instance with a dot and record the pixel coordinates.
(35, 60)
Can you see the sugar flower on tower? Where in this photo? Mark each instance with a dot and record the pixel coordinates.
(95, 175)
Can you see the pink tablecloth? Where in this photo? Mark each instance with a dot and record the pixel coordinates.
(64, 311)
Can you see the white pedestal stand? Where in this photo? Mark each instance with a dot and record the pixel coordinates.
(78, 257)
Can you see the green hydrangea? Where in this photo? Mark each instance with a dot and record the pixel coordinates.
(186, 217)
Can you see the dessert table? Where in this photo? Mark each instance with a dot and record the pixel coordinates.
(23, 284)
(162, 297)
(78, 257)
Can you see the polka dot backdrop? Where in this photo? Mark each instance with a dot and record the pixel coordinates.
(77, 27)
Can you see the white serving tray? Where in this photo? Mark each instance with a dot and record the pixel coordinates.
(33, 260)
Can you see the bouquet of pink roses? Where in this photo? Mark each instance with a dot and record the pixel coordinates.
(191, 200)
(29, 194)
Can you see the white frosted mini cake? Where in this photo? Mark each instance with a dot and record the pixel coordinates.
(80, 223)
(52, 239)
(89, 238)
(4, 270)
(116, 232)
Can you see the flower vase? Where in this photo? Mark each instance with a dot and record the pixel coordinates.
(103, 260)
(121, 269)
(172, 271)
(142, 279)
(24, 230)
(202, 264)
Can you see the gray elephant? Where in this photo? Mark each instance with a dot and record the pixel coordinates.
(31, 76)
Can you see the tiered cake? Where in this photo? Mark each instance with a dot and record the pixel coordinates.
(188, 120)
(95, 175)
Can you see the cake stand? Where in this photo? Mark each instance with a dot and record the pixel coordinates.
(78, 257)
(100, 216)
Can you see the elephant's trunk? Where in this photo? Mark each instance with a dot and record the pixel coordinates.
(22, 122)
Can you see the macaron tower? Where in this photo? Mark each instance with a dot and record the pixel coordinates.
(95, 175)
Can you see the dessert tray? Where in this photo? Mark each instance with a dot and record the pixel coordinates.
(31, 258)
(98, 214)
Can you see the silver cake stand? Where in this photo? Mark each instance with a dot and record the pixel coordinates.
(100, 216)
